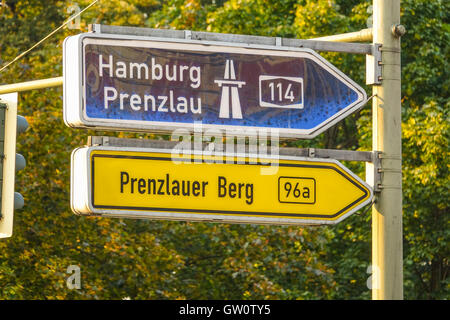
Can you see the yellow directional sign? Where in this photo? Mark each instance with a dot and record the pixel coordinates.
(143, 183)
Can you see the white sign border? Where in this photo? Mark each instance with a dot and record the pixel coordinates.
(81, 200)
(73, 84)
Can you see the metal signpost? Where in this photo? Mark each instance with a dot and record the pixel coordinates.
(154, 84)
(158, 183)
(387, 239)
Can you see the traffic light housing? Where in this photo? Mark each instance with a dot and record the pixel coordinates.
(10, 162)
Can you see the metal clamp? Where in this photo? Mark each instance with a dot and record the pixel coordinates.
(374, 66)
(376, 162)
(385, 168)
(278, 41)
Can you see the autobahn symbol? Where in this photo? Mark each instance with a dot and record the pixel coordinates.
(228, 83)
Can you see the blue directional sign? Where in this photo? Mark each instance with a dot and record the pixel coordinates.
(153, 85)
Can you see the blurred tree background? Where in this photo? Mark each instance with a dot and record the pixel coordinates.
(141, 259)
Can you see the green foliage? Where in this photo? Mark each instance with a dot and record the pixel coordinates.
(426, 188)
(425, 50)
(325, 16)
(258, 17)
(141, 259)
(425, 86)
(181, 14)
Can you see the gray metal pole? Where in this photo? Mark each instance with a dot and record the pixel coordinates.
(358, 36)
(387, 249)
(31, 85)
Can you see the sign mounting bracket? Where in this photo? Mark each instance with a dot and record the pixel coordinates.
(217, 38)
(341, 155)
